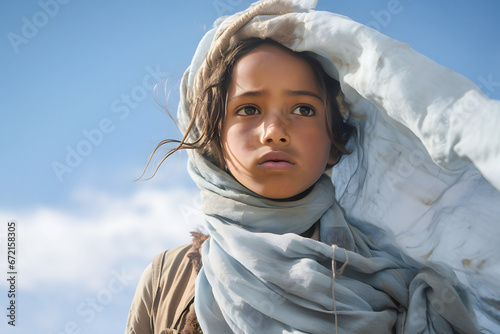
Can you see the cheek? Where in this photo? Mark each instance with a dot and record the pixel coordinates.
(236, 135)
(224, 144)
(233, 139)
(317, 146)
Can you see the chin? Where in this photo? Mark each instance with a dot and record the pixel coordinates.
(284, 195)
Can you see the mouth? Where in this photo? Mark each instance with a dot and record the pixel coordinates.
(275, 160)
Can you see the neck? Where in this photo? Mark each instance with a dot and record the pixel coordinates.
(294, 198)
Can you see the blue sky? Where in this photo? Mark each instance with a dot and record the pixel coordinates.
(76, 80)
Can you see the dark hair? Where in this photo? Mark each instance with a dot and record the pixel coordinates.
(207, 110)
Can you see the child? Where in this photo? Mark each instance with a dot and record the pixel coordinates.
(263, 127)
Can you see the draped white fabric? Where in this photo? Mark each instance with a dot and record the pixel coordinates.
(424, 168)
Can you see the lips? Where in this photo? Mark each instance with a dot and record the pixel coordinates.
(275, 160)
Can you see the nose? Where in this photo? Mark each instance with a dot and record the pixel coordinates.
(275, 131)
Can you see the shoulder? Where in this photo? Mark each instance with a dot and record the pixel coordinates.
(166, 289)
(168, 261)
(182, 257)
(142, 316)
(165, 263)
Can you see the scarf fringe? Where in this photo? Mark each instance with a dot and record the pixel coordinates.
(334, 272)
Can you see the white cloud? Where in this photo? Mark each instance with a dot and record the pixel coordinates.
(104, 233)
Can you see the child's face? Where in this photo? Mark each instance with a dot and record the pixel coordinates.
(274, 136)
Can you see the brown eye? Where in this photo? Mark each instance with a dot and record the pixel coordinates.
(304, 111)
(247, 111)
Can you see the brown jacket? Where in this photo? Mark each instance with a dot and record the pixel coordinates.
(164, 299)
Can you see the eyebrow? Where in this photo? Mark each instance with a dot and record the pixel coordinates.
(288, 92)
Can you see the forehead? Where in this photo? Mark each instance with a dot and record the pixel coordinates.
(267, 51)
(269, 61)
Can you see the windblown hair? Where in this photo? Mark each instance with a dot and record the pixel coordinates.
(207, 110)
